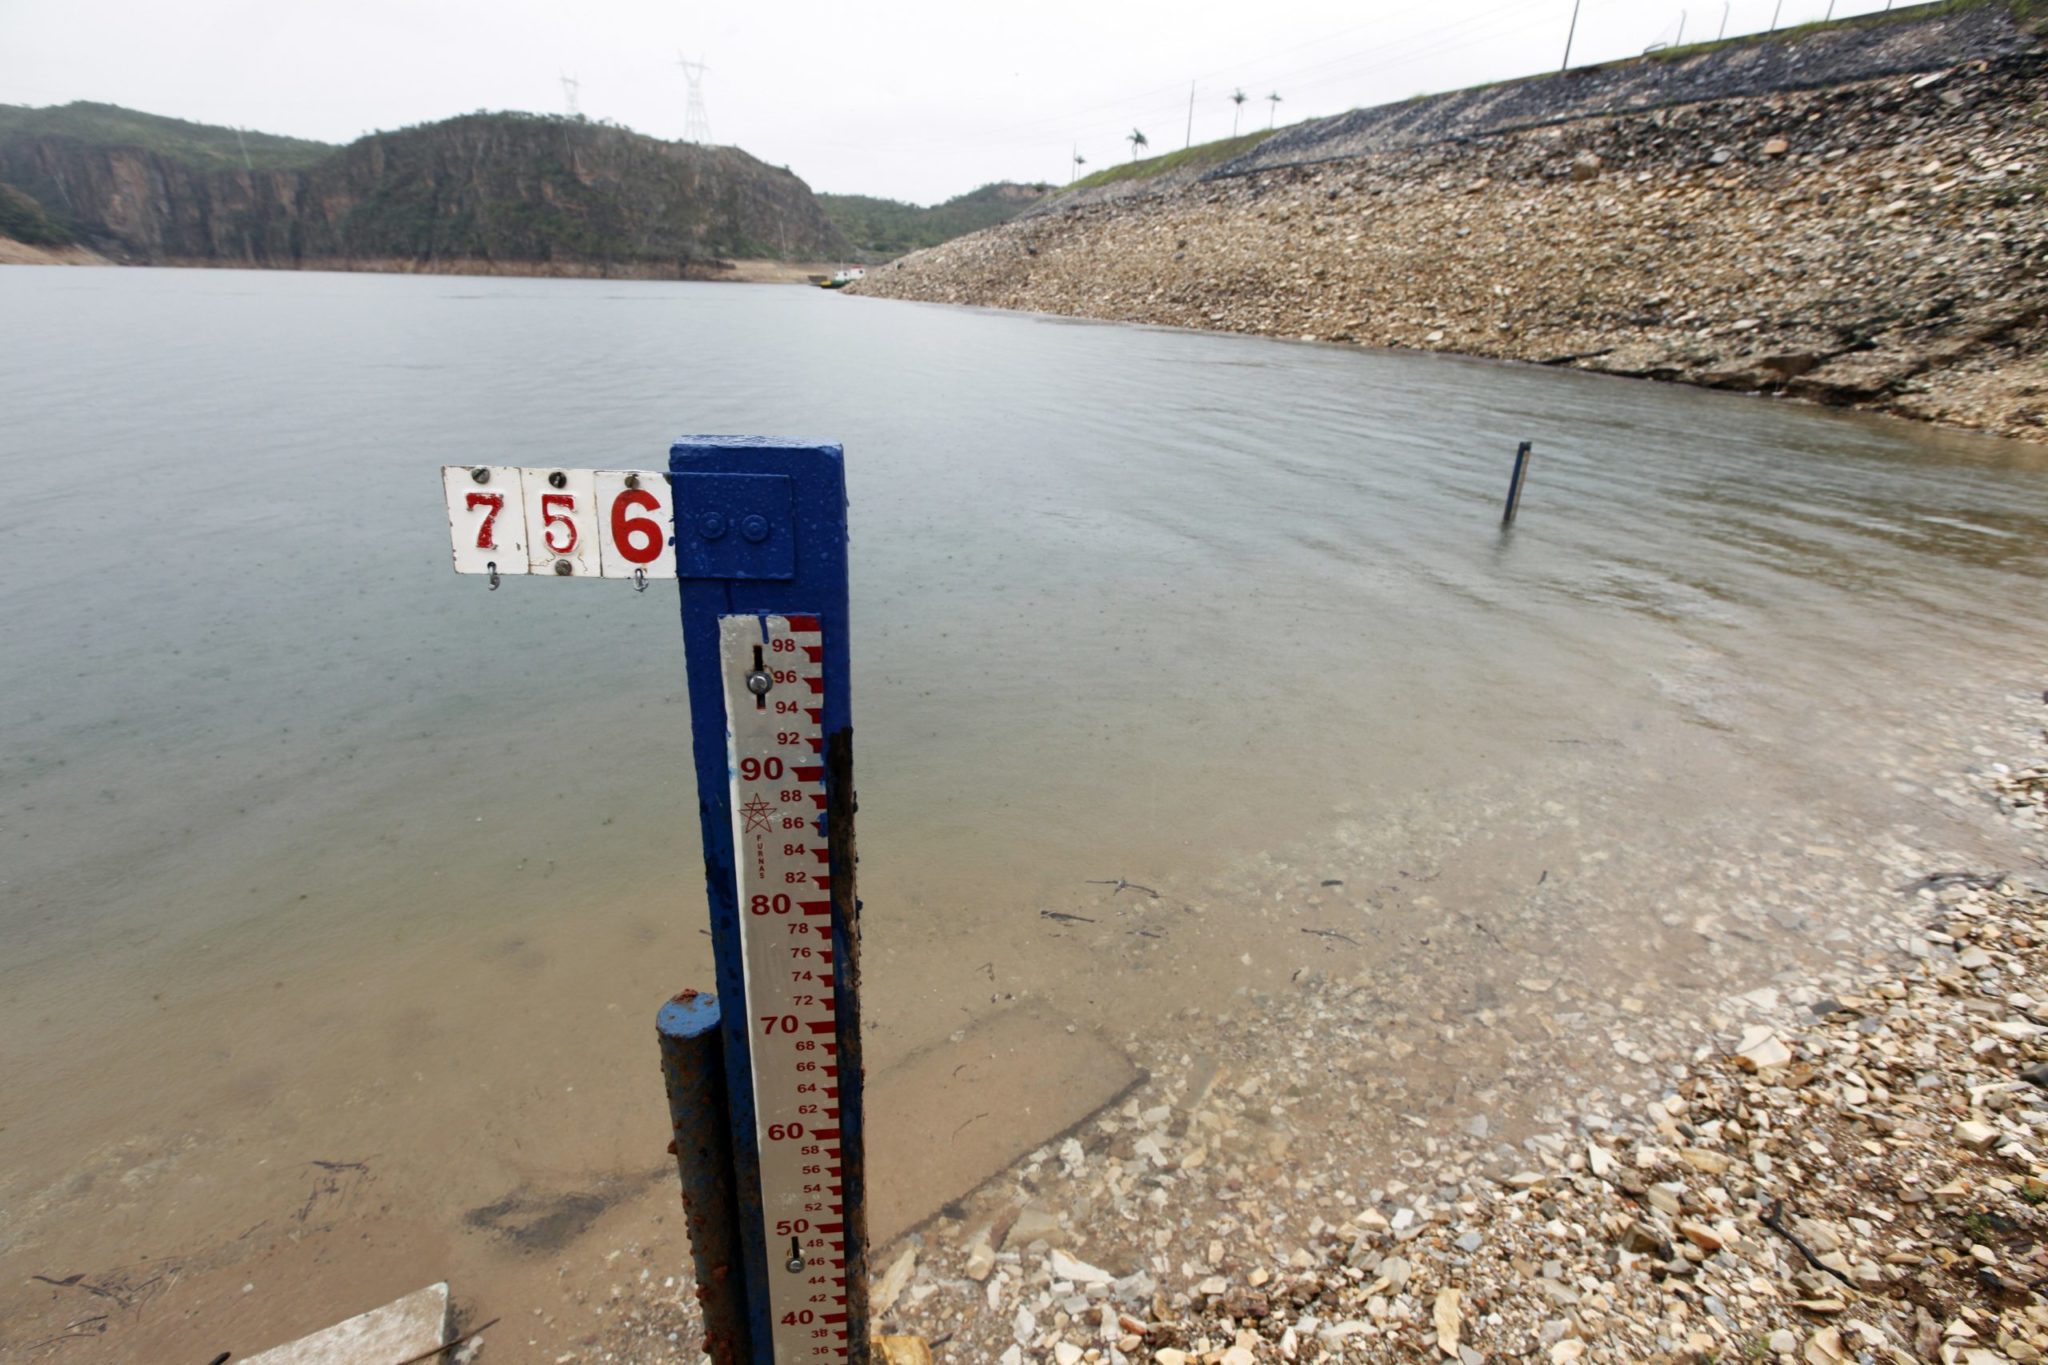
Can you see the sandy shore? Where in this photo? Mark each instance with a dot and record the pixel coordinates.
(21, 253)
(737, 271)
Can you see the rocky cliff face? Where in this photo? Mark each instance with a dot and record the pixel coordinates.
(508, 188)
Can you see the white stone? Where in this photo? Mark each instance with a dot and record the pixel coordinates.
(1065, 1267)
(1978, 1137)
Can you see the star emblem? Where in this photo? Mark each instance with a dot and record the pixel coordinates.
(756, 812)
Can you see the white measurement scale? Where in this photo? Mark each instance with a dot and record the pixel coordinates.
(774, 670)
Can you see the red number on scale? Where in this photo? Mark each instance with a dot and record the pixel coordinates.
(549, 502)
(778, 1023)
(639, 538)
(754, 769)
(769, 905)
(485, 538)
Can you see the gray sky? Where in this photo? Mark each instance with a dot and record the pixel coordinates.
(913, 99)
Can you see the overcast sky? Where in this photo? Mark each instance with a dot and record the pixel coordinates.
(913, 99)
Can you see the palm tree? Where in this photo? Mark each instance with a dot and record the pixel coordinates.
(1273, 113)
(1079, 162)
(1237, 97)
(1137, 139)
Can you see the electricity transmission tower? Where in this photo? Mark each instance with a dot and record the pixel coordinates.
(569, 87)
(696, 122)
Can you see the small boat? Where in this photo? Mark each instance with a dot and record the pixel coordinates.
(843, 278)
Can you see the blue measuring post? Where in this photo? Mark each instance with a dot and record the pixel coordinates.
(760, 544)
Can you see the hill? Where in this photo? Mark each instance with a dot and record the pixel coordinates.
(194, 144)
(881, 229)
(485, 191)
(23, 219)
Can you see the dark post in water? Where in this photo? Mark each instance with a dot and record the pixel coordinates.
(1515, 484)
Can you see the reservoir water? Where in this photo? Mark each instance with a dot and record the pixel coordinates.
(338, 892)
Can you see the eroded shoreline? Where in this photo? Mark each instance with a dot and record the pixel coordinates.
(1871, 245)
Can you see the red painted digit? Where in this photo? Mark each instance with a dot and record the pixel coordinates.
(638, 538)
(553, 518)
(485, 537)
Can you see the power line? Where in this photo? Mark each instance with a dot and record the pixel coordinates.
(696, 120)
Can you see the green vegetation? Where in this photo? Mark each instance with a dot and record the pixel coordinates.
(1198, 158)
(494, 186)
(22, 219)
(882, 229)
(197, 144)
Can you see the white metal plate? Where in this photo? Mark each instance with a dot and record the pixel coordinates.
(782, 859)
(636, 524)
(486, 520)
(561, 521)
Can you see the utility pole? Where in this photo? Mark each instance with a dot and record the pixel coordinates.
(569, 84)
(696, 122)
(1570, 34)
(1777, 10)
(1191, 117)
(1725, 4)
(1681, 30)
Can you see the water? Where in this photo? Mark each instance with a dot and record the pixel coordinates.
(315, 851)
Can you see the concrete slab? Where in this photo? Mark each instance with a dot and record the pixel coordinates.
(383, 1336)
(951, 1116)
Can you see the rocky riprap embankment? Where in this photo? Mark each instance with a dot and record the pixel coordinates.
(1879, 244)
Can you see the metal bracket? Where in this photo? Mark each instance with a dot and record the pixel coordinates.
(735, 526)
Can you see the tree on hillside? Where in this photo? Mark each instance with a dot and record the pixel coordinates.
(1079, 162)
(1237, 97)
(1137, 139)
(1274, 112)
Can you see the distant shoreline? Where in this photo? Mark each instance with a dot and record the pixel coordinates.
(734, 271)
